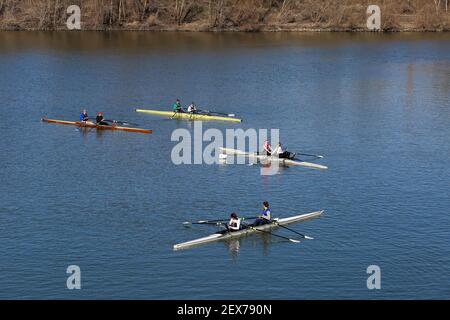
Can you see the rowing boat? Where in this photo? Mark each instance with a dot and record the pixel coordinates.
(97, 126)
(263, 159)
(189, 116)
(228, 235)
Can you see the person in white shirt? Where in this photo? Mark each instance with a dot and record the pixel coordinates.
(278, 149)
(192, 108)
(283, 154)
(235, 223)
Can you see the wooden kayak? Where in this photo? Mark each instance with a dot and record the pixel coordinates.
(97, 126)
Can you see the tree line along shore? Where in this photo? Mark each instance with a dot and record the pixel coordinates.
(226, 15)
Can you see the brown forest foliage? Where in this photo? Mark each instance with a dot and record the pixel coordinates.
(209, 15)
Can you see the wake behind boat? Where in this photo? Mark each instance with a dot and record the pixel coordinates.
(264, 159)
(223, 235)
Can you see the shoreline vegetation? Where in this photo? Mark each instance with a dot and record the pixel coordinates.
(226, 15)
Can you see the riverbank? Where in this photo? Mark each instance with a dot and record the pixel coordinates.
(225, 15)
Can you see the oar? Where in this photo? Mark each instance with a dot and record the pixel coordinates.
(215, 221)
(275, 235)
(187, 224)
(311, 155)
(175, 112)
(300, 234)
(219, 113)
(121, 122)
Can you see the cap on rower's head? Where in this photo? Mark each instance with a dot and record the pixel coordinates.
(233, 215)
(84, 110)
(100, 113)
(266, 204)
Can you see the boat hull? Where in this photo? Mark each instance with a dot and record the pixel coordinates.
(96, 126)
(267, 159)
(188, 116)
(228, 235)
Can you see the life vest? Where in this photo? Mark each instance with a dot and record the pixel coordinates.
(266, 214)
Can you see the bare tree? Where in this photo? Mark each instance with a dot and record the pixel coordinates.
(144, 9)
(216, 12)
(179, 9)
(284, 9)
(437, 4)
(55, 13)
(120, 11)
(111, 12)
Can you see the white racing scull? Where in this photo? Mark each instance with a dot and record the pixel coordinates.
(263, 159)
(223, 235)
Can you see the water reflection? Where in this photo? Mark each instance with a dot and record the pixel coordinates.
(156, 42)
(263, 241)
(266, 169)
(85, 132)
(233, 248)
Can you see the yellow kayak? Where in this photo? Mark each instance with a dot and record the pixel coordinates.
(189, 116)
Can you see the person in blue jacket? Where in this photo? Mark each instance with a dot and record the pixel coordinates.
(265, 215)
(84, 116)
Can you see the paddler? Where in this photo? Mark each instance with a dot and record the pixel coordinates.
(192, 108)
(283, 154)
(264, 218)
(84, 116)
(100, 120)
(267, 148)
(177, 106)
(235, 223)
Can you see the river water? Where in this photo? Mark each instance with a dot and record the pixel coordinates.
(377, 106)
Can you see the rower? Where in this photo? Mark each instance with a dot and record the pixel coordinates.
(192, 108)
(84, 116)
(177, 106)
(235, 223)
(267, 148)
(283, 154)
(99, 120)
(265, 216)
